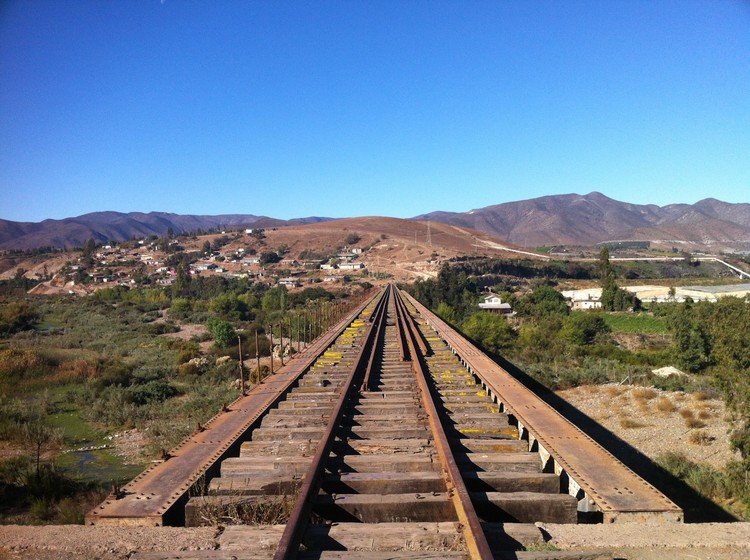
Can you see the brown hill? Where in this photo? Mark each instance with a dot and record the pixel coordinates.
(118, 226)
(403, 248)
(574, 219)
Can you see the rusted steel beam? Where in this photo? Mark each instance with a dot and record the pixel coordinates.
(379, 318)
(476, 541)
(416, 333)
(298, 520)
(153, 497)
(400, 332)
(595, 476)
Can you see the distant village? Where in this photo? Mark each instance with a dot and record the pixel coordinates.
(157, 261)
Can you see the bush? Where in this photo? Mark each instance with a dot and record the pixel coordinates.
(584, 328)
(155, 391)
(162, 328)
(17, 316)
(490, 330)
(222, 332)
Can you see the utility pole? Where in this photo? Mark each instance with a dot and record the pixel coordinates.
(257, 356)
(242, 374)
(270, 328)
(429, 234)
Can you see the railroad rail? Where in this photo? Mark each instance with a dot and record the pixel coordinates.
(156, 496)
(393, 437)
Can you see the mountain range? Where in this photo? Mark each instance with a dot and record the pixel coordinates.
(568, 219)
(118, 226)
(572, 219)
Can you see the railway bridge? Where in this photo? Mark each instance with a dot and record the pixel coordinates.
(391, 436)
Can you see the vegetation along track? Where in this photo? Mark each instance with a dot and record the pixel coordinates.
(388, 443)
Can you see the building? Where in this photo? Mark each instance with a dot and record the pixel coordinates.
(585, 304)
(351, 266)
(589, 298)
(289, 282)
(494, 304)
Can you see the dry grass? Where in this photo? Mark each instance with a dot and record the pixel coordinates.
(664, 404)
(614, 390)
(694, 423)
(247, 510)
(700, 437)
(627, 422)
(687, 413)
(705, 414)
(644, 393)
(701, 396)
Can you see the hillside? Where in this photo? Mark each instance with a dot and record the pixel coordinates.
(118, 226)
(573, 219)
(391, 247)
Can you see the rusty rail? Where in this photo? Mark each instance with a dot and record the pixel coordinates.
(599, 481)
(152, 497)
(298, 519)
(476, 540)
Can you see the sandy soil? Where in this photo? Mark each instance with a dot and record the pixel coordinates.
(59, 542)
(653, 422)
(719, 541)
(632, 541)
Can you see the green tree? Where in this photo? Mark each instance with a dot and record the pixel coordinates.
(275, 299)
(490, 330)
(269, 257)
(222, 332)
(39, 437)
(544, 301)
(446, 312)
(583, 328)
(605, 267)
(691, 341)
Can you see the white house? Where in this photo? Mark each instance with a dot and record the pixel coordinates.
(586, 304)
(494, 304)
(351, 266)
(291, 282)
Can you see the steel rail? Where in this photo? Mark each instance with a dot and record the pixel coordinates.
(594, 474)
(412, 327)
(153, 496)
(400, 333)
(378, 317)
(291, 538)
(476, 540)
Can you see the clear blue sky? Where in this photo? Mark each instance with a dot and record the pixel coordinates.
(343, 108)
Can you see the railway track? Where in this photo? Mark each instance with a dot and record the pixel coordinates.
(385, 441)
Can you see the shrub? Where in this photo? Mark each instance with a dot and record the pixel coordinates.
(155, 391)
(583, 328)
(223, 332)
(700, 437)
(644, 393)
(188, 369)
(490, 330)
(17, 316)
(162, 328)
(694, 423)
(663, 404)
(627, 422)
